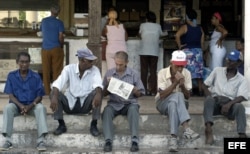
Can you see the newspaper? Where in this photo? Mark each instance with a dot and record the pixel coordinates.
(120, 88)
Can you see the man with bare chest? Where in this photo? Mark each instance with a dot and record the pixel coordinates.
(225, 89)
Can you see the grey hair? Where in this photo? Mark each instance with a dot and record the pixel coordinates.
(122, 55)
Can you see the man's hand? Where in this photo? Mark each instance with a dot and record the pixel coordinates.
(136, 92)
(26, 108)
(179, 77)
(225, 108)
(54, 103)
(22, 109)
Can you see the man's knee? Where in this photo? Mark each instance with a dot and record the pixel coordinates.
(9, 107)
(209, 101)
(133, 108)
(108, 110)
(239, 108)
(40, 107)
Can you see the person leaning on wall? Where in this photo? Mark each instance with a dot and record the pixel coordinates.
(52, 47)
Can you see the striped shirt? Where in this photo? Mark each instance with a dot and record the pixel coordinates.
(130, 76)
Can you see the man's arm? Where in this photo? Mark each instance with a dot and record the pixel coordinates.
(54, 99)
(225, 108)
(105, 91)
(166, 92)
(16, 101)
(61, 39)
(97, 101)
(184, 90)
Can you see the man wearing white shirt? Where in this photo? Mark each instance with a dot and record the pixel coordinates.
(83, 91)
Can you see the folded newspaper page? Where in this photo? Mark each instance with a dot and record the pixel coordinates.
(120, 88)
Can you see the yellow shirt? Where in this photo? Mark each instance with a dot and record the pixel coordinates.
(164, 80)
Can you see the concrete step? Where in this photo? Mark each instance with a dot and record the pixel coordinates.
(154, 122)
(153, 133)
(125, 150)
(82, 139)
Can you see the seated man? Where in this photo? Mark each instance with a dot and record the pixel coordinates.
(174, 85)
(227, 89)
(119, 106)
(25, 90)
(83, 91)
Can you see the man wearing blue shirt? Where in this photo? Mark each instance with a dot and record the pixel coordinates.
(25, 90)
(52, 47)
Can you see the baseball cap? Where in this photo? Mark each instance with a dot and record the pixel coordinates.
(234, 55)
(179, 58)
(86, 53)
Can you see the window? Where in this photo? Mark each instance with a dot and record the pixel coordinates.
(21, 19)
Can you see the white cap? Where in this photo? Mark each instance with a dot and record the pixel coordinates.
(179, 58)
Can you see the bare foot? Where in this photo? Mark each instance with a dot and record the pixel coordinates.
(209, 135)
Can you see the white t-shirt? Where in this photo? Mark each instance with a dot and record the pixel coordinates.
(150, 34)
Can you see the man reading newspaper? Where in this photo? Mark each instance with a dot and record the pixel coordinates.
(121, 100)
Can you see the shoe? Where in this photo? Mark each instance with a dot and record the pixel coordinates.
(242, 135)
(173, 144)
(107, 146)
(94, 130)
(41, 146)
(6, 146)
(190, 134)
(209, 136)
(134, 147)
(61, 129)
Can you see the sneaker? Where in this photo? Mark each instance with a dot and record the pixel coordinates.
(6, 146)
(41, 146)
(190, 134)
(173, 144)
(60, 129)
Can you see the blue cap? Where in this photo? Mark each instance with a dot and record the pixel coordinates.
(86, 53)
(234, 55)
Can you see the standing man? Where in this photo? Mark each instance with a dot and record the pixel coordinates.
(83, 92)
(174, 85)
(25, 90)
(52, 47)
(119, 106)
(227, 89)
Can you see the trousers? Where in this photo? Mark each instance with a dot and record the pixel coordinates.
(132, 113)
(212, 106)
(63, 105)
(52, 65)
(174, 107)
(11, 110)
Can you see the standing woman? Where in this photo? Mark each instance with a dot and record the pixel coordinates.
(116, 36)
(217, 50)
(190, 38)
(150, 33)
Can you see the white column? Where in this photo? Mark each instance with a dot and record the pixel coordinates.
(31, 16)
(246, 21)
